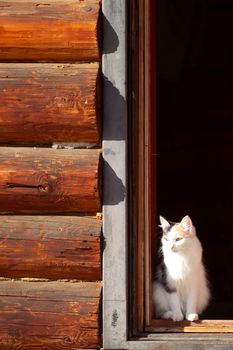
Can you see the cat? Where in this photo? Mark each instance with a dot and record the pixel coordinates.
(180, 289)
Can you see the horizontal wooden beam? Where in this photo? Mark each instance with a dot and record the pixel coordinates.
(49, 315)
(45, 103)
(46, 180)
(200, 326)
(49, 30)
(54, 247)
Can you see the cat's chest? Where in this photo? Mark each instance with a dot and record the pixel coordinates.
(178, 269)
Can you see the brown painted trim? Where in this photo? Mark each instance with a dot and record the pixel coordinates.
(142, 153)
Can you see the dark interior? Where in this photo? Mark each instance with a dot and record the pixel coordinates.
(194, 120)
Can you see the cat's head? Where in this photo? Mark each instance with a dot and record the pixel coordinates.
(177, 237)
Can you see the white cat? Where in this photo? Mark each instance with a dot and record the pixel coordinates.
(181, 288)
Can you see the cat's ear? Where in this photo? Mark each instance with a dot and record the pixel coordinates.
(164, 223)
(186, 224)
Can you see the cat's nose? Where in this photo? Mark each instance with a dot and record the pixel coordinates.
(173, 247)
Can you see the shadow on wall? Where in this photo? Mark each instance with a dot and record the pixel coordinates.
(114, 191)
(114, 123)
(115, 113)
(111, 41)
(113, 130)
(114, 103)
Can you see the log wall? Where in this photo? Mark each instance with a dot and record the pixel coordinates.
(44, 103)
(49, 315)
(46, 180)
(54, 247)
(50, 238)
(52, 31)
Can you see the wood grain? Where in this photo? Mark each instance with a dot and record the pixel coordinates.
(201, 326)
(57, 31)
(45, 180)
(49, 315)
(54, 247)
(44, 103)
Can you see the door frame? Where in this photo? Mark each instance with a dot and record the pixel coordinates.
(125, 173)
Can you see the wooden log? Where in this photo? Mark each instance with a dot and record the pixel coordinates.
(54, 31)
(49, 315)
(46, 180)
(44, 103)
(54, 247)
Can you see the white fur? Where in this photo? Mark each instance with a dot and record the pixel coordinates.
(185, 273)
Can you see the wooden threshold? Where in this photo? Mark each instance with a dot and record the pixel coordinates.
(200, 326)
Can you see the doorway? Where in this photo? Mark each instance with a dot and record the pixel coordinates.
(194, 117)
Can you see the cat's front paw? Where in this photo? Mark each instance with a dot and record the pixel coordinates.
(177, 317)
(192, 317)
(167, 315)
(174, 316)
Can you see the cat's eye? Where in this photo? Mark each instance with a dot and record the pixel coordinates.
(178, 239)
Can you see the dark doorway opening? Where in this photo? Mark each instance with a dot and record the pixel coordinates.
(194, 117)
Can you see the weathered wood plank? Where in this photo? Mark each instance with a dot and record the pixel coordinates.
(44, 103)
(45, 180)
(200, 326)
(49, 315)
(54, 247)
(63, 30)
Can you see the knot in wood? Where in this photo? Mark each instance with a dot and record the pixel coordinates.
(87, 8)
(44, 188)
